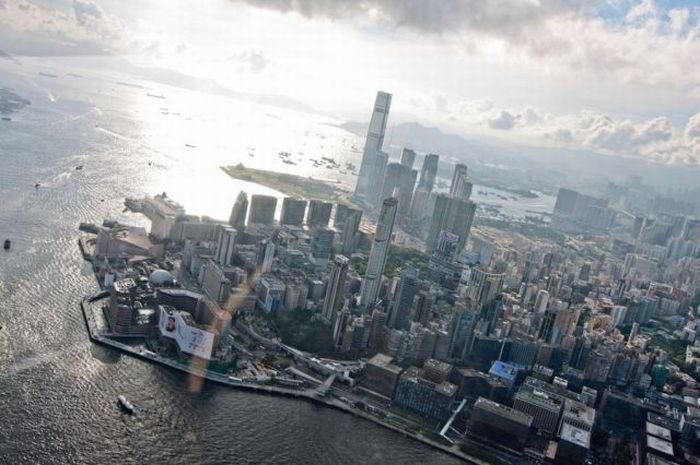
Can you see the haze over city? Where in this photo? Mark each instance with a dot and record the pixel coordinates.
(327, 231)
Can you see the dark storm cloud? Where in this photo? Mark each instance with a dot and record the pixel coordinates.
(509, 19)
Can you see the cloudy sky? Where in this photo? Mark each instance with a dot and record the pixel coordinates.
(619, 77)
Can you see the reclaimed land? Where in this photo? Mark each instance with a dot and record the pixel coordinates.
(89, 315)
(289, 184)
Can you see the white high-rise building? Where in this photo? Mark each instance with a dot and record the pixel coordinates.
(541, 301)
(225, 245)
(379, 252)
(373, 144)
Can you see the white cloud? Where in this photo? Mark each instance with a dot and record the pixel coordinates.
(250, 60)
(504, 121)
(27, 27)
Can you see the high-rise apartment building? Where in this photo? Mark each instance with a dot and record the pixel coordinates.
(319, 213)
(453, 215)
(399, 181)
(428, 172)
(293, 211)
(262, 209)
(408, 157)
(460, 186)
(239, 212)
(225, 244)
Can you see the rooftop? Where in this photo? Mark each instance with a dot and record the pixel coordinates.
(656, 460)
(575, 435)
(133, 235)
(658, 431)
(579, 411)
(504, 411)
(437, 365)
(540, 398)
(660, 445)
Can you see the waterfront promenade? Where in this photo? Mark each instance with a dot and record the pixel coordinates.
(91, 313)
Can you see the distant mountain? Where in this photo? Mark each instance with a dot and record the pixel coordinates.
(211, 86)
(496, 161)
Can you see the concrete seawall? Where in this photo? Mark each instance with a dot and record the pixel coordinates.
(308, 394)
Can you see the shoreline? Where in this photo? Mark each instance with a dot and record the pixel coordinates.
(88, 315)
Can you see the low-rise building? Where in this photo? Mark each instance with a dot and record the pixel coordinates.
(500, 424)
(424, 397)
(380, 375)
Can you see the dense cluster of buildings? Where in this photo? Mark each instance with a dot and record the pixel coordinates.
(543, 342)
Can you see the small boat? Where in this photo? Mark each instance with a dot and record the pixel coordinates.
(37, 185)
(191, 146)
(6, 118)
(79, 167)
(6, 244)
(161, 96)
(125, 405)
(250, 154)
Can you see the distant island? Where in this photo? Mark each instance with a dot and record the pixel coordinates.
(11, 102)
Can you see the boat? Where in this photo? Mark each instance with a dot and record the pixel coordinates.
(191, 146)
(250, 154)
(156, 95)
(125, 405)
(37, 185)
(79, 167)
(6, 118)
(6, 244)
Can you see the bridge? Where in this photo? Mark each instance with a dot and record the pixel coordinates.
(448, 425)
(324, 389)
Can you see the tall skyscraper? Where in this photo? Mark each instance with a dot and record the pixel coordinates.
(319, 213)
(293, 211)
(349, 236)
(491, 313)
(399, 181)
(428, 172)
(424, 306)
(373, 144)
(334, 290)
(484, 286)
(459, 178)
(239, 211)
(262, 209)
(408, 157)
(225, 244)
(342, 212)
(265, 256)
(403, 302)
(321, 246)
(453, 215)
(379, 252)
(541, 301)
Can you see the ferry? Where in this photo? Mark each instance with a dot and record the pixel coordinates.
(125, 405)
